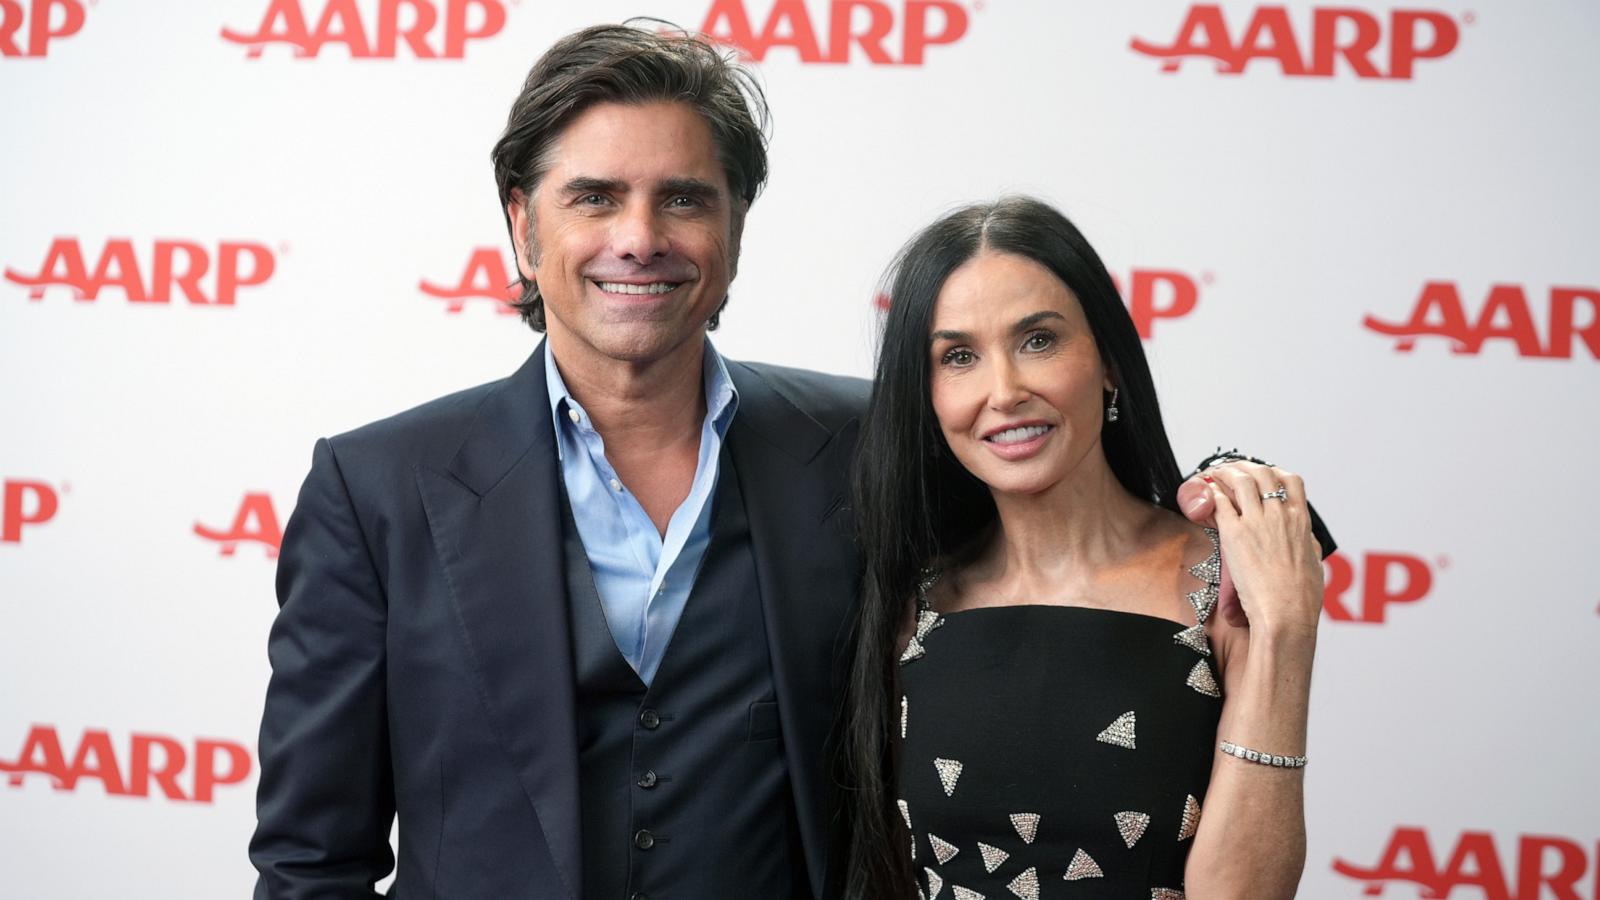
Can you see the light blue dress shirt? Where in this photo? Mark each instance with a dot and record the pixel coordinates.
(643, 577)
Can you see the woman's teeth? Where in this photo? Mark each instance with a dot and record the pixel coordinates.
(1018, 435)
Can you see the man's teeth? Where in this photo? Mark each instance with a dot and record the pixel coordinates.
(1017, 435)
(655, 287)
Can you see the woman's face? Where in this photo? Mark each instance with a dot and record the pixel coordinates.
(1016, 378)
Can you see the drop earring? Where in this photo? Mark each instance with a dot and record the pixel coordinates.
(1111, 408)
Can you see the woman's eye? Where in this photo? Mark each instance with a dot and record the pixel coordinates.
(1039, 340)
(960, 356)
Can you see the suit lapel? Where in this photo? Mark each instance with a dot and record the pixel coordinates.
(792, 474)
(496, 524)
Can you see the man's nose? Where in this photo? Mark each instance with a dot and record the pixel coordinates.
(638, 235)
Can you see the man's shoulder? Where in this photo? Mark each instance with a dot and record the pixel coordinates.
(430, 432)
(832, 400)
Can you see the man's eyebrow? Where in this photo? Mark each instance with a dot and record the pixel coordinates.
(1023, 324)
(586, 184)
(693, 187)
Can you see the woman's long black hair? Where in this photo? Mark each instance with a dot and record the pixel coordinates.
(915, 504)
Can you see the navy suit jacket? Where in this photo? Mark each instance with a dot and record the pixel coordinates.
(421, 656)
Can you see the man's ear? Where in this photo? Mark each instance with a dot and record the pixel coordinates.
(521, 221)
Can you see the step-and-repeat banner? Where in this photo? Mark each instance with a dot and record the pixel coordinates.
(1360, 239)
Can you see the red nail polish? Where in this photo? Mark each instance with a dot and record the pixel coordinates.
(1206, 478)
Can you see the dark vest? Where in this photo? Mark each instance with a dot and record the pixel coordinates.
(683, 790)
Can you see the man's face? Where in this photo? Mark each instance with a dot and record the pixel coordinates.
(634, 233)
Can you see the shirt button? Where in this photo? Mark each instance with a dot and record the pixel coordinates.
(616, 485)
(575, 416)
(650, 719)
(648, 780)
(644, 840)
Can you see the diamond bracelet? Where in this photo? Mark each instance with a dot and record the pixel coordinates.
(1265, 759)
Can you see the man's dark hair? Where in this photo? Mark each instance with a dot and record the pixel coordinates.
(630, 64)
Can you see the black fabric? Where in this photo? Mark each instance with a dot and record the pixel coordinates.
(684, 792)
(1018, 695)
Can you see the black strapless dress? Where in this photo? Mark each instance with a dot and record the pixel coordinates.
(1057, 752)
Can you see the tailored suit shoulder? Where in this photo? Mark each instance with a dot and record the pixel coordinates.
(421, 655)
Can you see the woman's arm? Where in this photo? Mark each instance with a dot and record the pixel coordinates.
(1252, 837)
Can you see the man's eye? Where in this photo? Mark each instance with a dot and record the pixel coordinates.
(959, 356)
(591, 199)
(683, 202)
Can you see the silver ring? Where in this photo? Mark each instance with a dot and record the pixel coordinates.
(1279, 494)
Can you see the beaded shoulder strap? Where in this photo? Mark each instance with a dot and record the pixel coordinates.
(927, 619)
(1204, 601)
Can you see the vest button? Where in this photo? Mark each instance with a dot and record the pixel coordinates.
(643, 839)
(648, 780)
(650, 719)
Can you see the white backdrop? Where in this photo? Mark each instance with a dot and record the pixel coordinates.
(1442, 181)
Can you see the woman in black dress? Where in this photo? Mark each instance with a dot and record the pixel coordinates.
(1043, 704)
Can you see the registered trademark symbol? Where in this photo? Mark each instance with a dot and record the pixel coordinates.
(978, 5)
(1469, 17)
(1442, 562)
(283, 247)
(1207, 278)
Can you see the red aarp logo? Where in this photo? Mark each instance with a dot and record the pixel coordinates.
(46, 21)
(190, 773)
(1505, 315)
(1335, 33)
(421, 26)
(255, 521)
(25, 503)
(488, 276)
(1149, 294)
(1544, 866)
(848, 30)
(1360, 589)
(1152, 294)
(203, 276)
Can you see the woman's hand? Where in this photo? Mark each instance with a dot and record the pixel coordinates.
(1267, 545)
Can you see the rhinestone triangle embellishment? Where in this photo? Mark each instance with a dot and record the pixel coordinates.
(1119, 732)
(1131, 826)
(1210, 569)
(1201, 679)
(913, 651)
(962, 893)
(1203, 601)
(1165, 894)
(1026, 885)
(949, 771)
(905, 713)
(943, 850)
(905, 812)
(1083, 866)
(992, 856)
(1027, 826)
(1191, 818)
(935, 883)
(1193, 637)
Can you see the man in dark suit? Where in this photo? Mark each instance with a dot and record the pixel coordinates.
(621, 576)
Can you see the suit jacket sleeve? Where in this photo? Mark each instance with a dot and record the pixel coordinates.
(326, 795)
